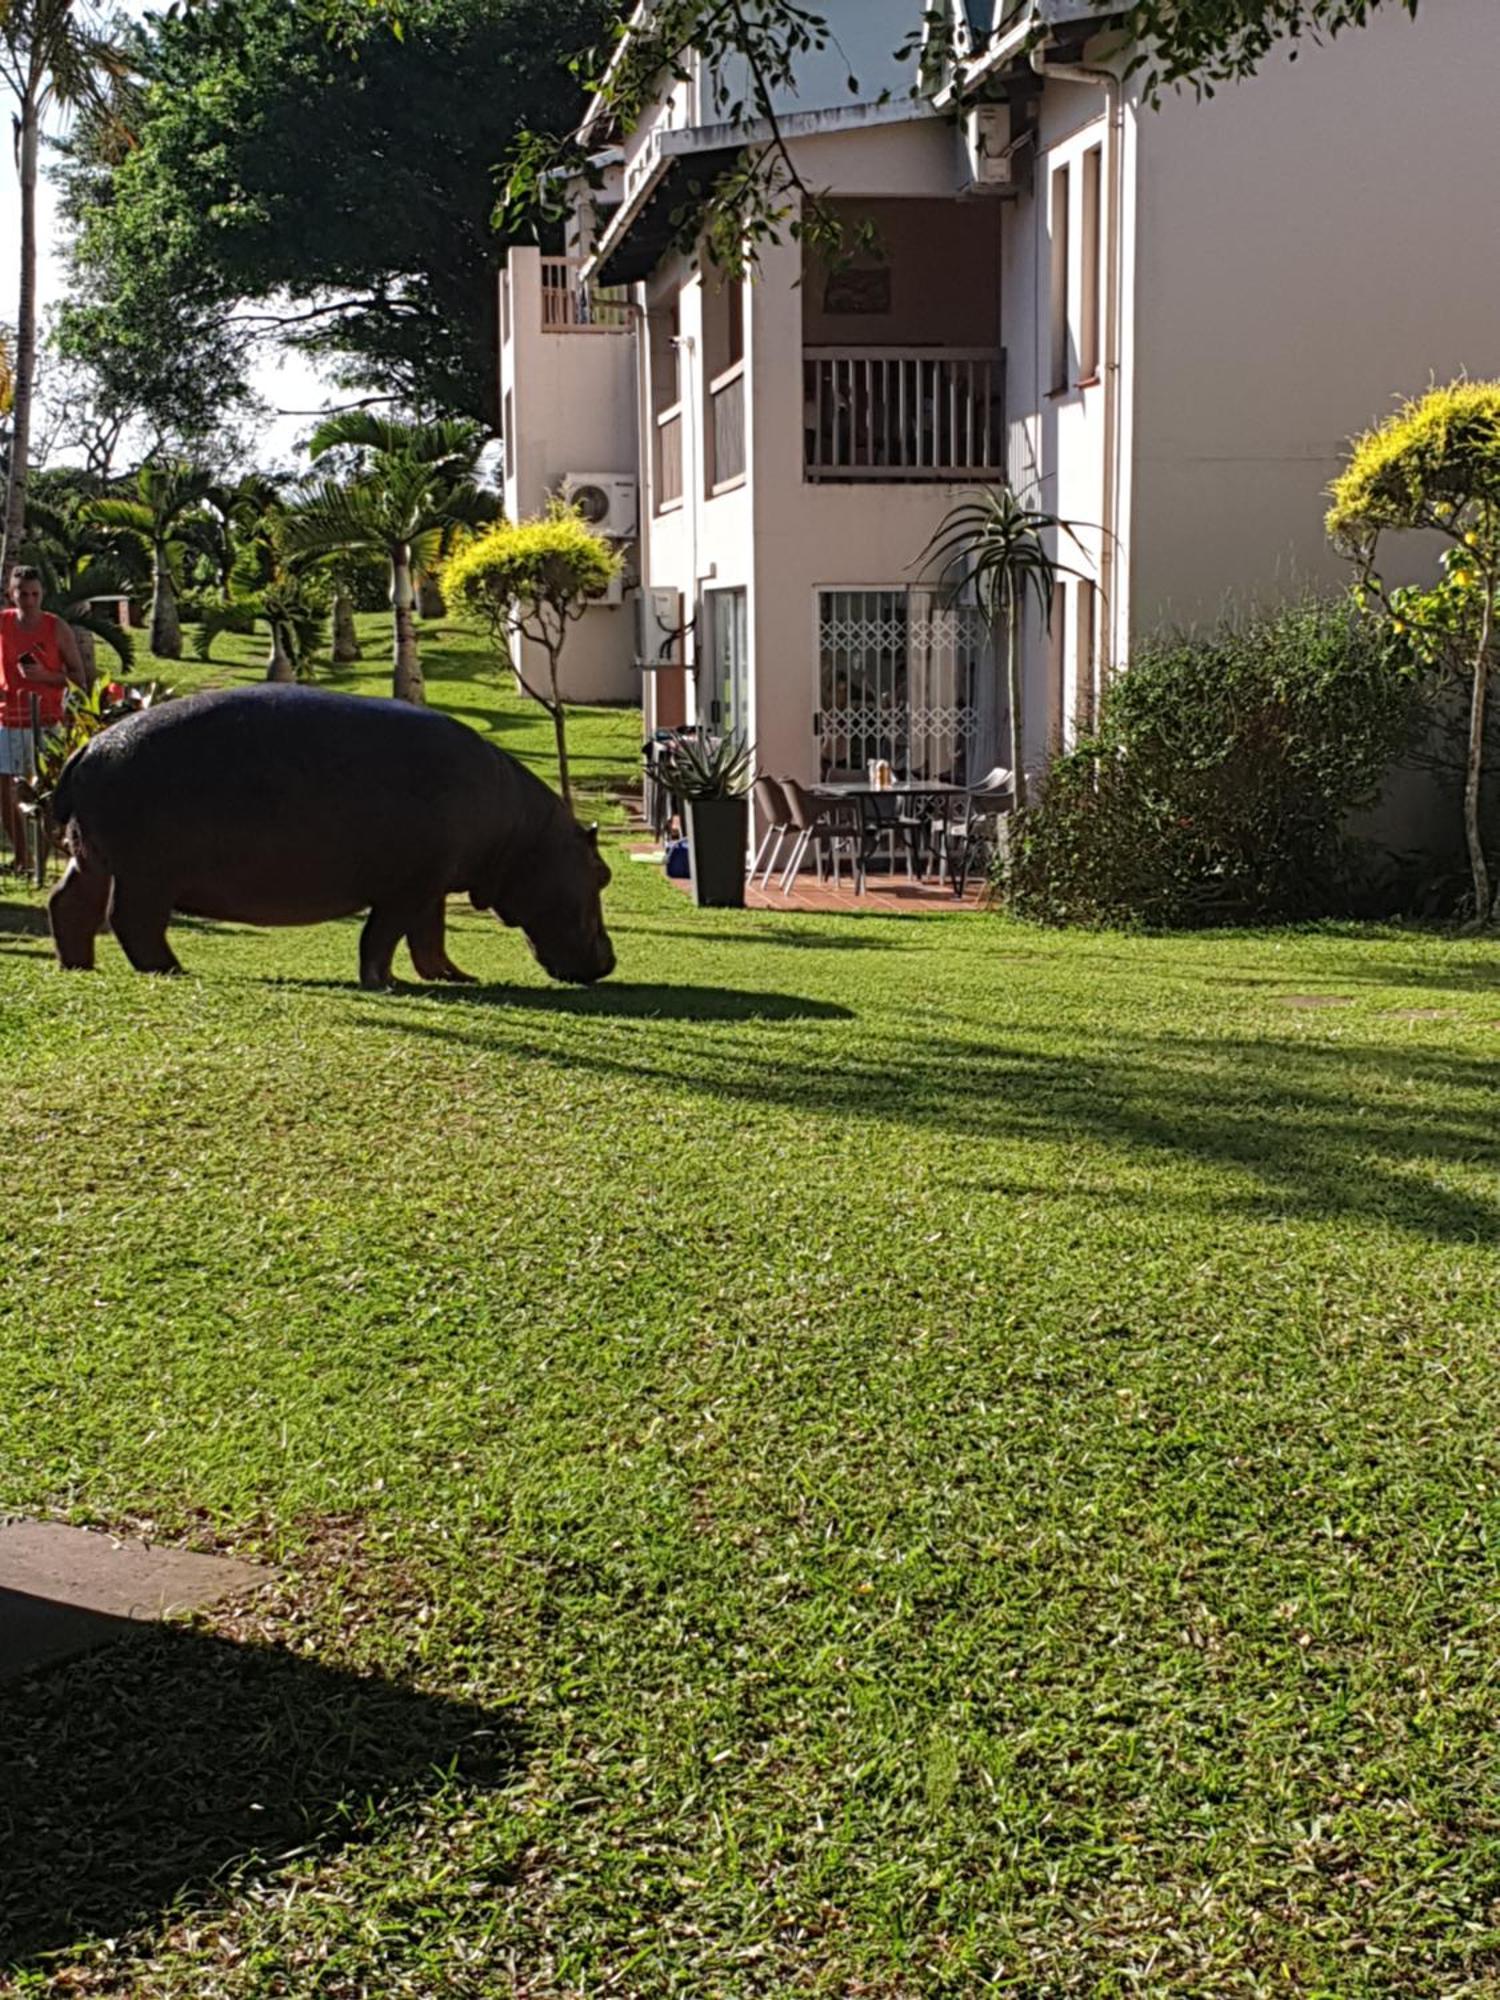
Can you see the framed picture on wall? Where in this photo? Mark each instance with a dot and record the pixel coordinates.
(858, 289)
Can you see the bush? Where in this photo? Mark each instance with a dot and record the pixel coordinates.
(1218, 785)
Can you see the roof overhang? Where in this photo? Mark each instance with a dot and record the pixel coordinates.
(1032, 23)
(682, 166)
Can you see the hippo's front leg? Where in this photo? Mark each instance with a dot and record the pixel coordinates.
(429, 952)
(76, 910)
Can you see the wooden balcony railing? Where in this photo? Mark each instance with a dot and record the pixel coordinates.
(570, 306)
(726, 395)
(669, 457)
(904, 413)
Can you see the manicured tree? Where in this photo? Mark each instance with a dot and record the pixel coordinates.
(537, 577)
(412, 495)
(52, 52)
(169, 506)
(1434, 468)
(995, 545)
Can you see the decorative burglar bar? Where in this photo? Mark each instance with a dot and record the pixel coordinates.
(906, 679)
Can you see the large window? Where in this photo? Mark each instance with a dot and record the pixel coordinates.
(729, 661)
(908, 678)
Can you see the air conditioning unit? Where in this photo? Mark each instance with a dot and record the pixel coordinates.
(658, 629)
(606, 500)
(997, 159)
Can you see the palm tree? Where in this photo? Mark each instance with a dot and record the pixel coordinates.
(995, 545)
(53, 53)
(168, 508)
(78, 566)
(413, 491)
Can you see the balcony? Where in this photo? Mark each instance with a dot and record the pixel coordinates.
(901, 414)
(726, 397)
(570, 306)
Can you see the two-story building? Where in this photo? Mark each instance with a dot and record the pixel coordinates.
(1161, 323)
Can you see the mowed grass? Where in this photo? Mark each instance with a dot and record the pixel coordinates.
(862, 1457)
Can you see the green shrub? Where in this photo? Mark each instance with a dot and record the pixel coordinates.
(1218, 785)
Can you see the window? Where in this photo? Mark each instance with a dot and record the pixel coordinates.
(1092, 247)
(729, 661)
(907, 676)
(1085, 656)
(1060, 305)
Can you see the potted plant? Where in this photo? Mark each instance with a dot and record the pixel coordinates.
(711, 781)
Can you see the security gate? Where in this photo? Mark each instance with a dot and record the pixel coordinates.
(908, 678)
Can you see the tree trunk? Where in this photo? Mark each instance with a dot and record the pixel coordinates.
(24, 386)
(406, 680)
(345, 635)
(166, 632)
(1474, 771)
(279, 663)
(560, 731)
(430, 597)
(88, 653)
(1015, 679)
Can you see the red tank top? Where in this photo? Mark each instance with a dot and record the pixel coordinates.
(41, 643)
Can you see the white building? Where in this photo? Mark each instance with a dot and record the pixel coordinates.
(1163, 324)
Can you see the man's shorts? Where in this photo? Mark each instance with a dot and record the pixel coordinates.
(17, 757)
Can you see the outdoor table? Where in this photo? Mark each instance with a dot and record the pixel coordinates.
(874, 825)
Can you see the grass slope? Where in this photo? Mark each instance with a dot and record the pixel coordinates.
(864, 1457)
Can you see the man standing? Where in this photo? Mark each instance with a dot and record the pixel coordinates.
(38, 657)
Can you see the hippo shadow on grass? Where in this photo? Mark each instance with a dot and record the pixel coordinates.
(612, 999)
(154, 1772)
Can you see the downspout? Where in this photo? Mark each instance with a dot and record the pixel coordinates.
(1113, 331)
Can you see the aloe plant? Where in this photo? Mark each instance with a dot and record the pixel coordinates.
(716, 768)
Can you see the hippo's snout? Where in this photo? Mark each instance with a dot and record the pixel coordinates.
(578, 969)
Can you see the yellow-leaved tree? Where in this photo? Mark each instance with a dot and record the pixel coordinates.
(1434, 469)
(535, 577)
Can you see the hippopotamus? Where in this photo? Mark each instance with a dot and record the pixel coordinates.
(287, 805)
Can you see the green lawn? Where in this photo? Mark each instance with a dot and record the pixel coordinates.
(862, 1457)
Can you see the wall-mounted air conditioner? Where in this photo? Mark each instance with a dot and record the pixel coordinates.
(606, 500)
(997, 151)
(659, 629)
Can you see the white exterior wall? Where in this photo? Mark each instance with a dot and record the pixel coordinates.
(778, 536)
(569, 404)
(1307, 252)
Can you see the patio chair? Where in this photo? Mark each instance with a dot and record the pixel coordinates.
(830, 827)
(774, 808)
(965, 834)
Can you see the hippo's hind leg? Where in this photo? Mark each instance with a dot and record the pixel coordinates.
(138, 917)
(429, 952)
(76, 910)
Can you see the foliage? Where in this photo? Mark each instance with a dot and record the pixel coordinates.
(921, 1448)
(411, 496)
(79, 560)
(166, 515)
(553, 564)
(1217, 787)
(994, 545)
(718, 768)
(84, 715)
(330, 188)
(1434, 468)
(539, 575)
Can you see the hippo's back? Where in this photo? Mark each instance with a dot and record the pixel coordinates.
(282, 804)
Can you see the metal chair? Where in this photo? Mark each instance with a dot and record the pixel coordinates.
(831, 827)
(774, 808)
(970, 833)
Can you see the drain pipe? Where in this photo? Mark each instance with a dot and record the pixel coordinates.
(1114, 93)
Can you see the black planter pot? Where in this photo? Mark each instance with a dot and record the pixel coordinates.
(718, 835)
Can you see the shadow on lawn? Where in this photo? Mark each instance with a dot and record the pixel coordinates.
(1318, 1130)
(143, 1775)
(22, 920)
(612, 1000)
